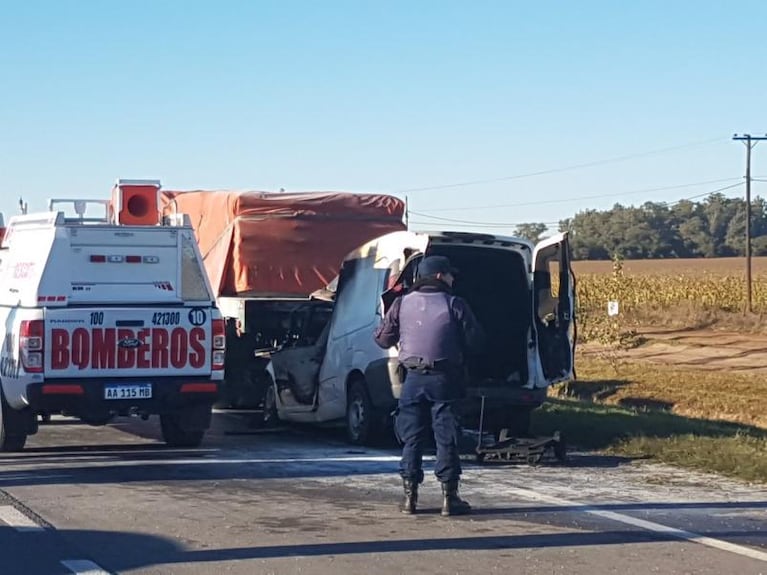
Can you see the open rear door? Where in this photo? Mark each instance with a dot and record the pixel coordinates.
(553, 307)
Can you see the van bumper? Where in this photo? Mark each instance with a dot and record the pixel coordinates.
(503, 402)
(502, 406)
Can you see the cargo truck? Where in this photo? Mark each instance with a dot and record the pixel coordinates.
(265, 254)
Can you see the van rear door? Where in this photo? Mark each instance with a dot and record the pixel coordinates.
(553, 307)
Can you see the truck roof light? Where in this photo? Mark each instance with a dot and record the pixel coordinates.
(136, 202)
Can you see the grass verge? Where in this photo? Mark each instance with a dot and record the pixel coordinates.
(708, 421)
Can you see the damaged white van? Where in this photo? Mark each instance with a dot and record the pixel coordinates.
(521, 293)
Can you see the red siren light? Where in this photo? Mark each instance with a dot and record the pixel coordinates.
(136, 202)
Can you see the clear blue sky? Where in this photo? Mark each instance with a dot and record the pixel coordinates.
(385, 97)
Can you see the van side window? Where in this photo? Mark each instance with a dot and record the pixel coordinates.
(398, 285)
(358, 295)
(554, 275)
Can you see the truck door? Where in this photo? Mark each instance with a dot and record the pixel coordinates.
(553, 307)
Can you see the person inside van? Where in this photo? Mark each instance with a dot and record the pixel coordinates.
(434, 329)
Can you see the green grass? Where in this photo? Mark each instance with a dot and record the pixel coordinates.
(725, 396)
(729, 448)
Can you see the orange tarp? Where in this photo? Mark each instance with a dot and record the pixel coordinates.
(290, 244)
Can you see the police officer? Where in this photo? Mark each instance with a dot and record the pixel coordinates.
(434, 330)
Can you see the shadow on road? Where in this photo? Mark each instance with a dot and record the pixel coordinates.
(151, 551)
(293, 452)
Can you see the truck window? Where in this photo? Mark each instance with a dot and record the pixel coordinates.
(193, 286)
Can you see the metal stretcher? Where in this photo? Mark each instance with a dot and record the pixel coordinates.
(530, 449)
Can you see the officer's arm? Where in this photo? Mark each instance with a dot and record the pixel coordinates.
(474, 335)
(387, 333)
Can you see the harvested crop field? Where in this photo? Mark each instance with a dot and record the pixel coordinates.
(678, 293)
(678, 374)
(696, 266)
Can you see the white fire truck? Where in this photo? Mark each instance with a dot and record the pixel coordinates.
(107, 315)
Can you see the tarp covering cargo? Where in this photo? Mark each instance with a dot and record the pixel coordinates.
(281, 244)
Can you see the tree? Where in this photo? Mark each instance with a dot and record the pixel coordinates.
(531, 231)
(714, 227)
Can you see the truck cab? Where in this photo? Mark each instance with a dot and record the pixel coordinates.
(107, 312)
(522, 294)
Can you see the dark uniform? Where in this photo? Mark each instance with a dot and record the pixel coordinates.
(434, 330)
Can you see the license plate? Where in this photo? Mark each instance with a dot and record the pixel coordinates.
(132, 391)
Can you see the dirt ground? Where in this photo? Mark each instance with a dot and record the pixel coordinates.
(706, 349)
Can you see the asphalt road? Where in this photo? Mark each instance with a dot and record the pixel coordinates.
(115, 500)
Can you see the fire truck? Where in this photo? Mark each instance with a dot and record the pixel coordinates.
(108, 312)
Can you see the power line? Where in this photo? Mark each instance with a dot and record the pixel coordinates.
(565, 200)
(480, 226)
(557, 170)
(670, 204)
(456, 221)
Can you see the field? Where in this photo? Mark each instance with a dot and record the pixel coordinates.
(678, 375)
(698, 266)
(687, 293)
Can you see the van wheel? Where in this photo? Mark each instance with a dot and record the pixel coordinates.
(175, 433)
(270, 416)
(11, 437)
(360, 415)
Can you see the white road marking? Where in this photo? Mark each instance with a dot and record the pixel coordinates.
(17, 520)
(643, 524)
(231, 461)
(83, 567)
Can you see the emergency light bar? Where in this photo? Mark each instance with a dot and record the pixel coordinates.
(133, 203)
(80, 208)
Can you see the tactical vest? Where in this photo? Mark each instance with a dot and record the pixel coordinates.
(428, 332)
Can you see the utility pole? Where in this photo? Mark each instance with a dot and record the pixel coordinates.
(750, 141)
(407, 214)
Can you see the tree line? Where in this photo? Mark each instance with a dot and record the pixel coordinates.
(713, 227)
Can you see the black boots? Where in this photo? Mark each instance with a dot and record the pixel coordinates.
(411, 496)
(451, 503)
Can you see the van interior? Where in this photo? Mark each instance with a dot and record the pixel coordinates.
(494, 283)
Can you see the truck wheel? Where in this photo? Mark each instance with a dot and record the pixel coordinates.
(12, 438)
(175, 432)
(360, 415)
